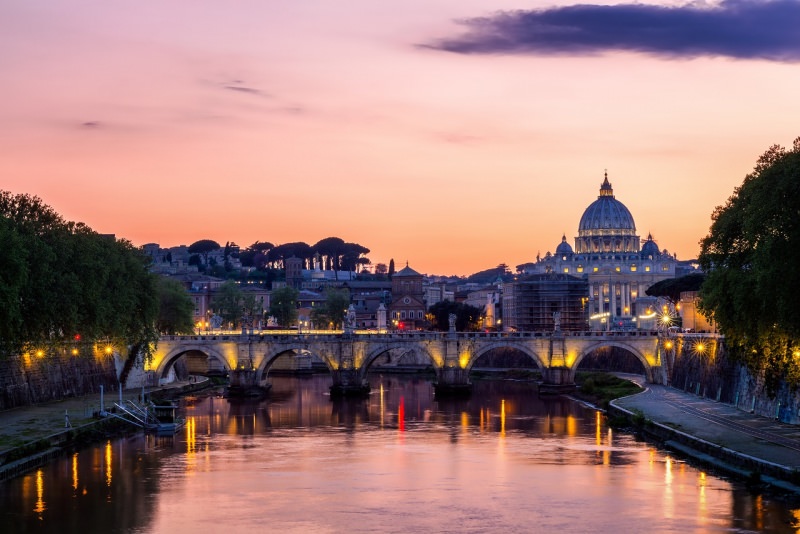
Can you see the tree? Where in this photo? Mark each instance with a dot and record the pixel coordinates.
(332, 312)
(175, 308)
(252, 308)
(391, 268)
(750, 256)
(488, 276)
(74, 281)
(381, 268)
(256, 254)
(331, 249)
(203, 248)
(467, 316)
(13, 279)
(283, 305)
(671, 288)
(277, 255)
(352, 256)
(228, 302)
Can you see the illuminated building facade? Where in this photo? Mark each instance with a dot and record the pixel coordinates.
(618, 268)
(407, 310)
(529, 303)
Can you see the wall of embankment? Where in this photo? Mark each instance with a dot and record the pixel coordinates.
(31, 379)
(716, 377)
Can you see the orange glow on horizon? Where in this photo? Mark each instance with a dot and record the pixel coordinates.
(354, 150)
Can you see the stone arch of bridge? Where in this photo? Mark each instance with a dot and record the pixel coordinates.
(274, 354)
(585, 351)
(503, 344)
(375, 353)
(164, 364)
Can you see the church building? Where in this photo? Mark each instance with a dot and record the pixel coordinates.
(618, 268)
(407, 310)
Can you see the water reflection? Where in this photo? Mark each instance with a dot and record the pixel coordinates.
(399, 461)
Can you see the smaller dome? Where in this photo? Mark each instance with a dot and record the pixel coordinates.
(563, 247)
(649, 248)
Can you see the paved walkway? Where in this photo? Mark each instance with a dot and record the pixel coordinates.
(19, 426)
(749, 436)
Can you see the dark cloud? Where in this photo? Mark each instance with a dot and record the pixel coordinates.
(91, 124)
(244, 89)
(743, 29)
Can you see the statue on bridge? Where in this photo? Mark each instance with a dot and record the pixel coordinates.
(350, 319)
(452, 319)
(557, 321)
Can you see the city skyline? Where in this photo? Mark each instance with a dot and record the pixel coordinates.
(452, 135)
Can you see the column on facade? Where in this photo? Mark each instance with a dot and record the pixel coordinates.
(613, 298)
(600, 298)
(626, 297)
(624, 294)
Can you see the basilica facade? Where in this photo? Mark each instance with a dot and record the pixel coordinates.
(616, 265)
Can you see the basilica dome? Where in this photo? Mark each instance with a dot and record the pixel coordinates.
(650, 248)
(606, 225)
(563, 248)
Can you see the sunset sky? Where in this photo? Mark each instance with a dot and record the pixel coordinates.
(452, 134)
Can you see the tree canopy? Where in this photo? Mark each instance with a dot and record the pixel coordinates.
(228, 303)
(488, 276)
(750, 256)
(61, 279)
(283, 306)
(331, 313)
(175, 308)
(671, 288)
(467, 317)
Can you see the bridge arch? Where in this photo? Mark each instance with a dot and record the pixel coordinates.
(270, 356)
(502, 344)
(375, 353)
(588, 349)
(172, 355)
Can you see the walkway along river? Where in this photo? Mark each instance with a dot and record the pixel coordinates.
(399, 461)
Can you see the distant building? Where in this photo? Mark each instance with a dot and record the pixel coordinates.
(692, 319)
(407, 310)
(489, 300)
(608, 255)
(529, 303)
(294, 272)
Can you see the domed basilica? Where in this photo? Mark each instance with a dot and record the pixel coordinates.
(609, 256)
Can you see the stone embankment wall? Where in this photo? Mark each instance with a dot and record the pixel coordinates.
(29, 379)
(720, 379)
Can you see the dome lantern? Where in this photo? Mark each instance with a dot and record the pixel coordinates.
(606, 225)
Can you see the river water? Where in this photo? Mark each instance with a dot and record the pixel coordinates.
(504, 460)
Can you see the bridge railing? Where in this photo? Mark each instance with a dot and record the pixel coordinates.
(306, 335)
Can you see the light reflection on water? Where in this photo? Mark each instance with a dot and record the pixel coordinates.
(503, 460)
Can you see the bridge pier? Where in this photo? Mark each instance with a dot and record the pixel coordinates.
(244, 383)
(453, 382)
(349, 383)
(557, 380)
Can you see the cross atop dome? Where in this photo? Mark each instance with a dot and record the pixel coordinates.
(605, 188)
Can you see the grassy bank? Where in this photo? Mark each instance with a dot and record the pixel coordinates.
(600, 388)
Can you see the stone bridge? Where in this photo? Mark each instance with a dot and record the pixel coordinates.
(349, 355)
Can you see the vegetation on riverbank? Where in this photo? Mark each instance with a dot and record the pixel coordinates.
(750, 260)
(599, 388)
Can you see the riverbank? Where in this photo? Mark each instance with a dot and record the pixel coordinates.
(31, 436)
(758, 450)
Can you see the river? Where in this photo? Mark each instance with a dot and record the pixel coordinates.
(504, 460)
